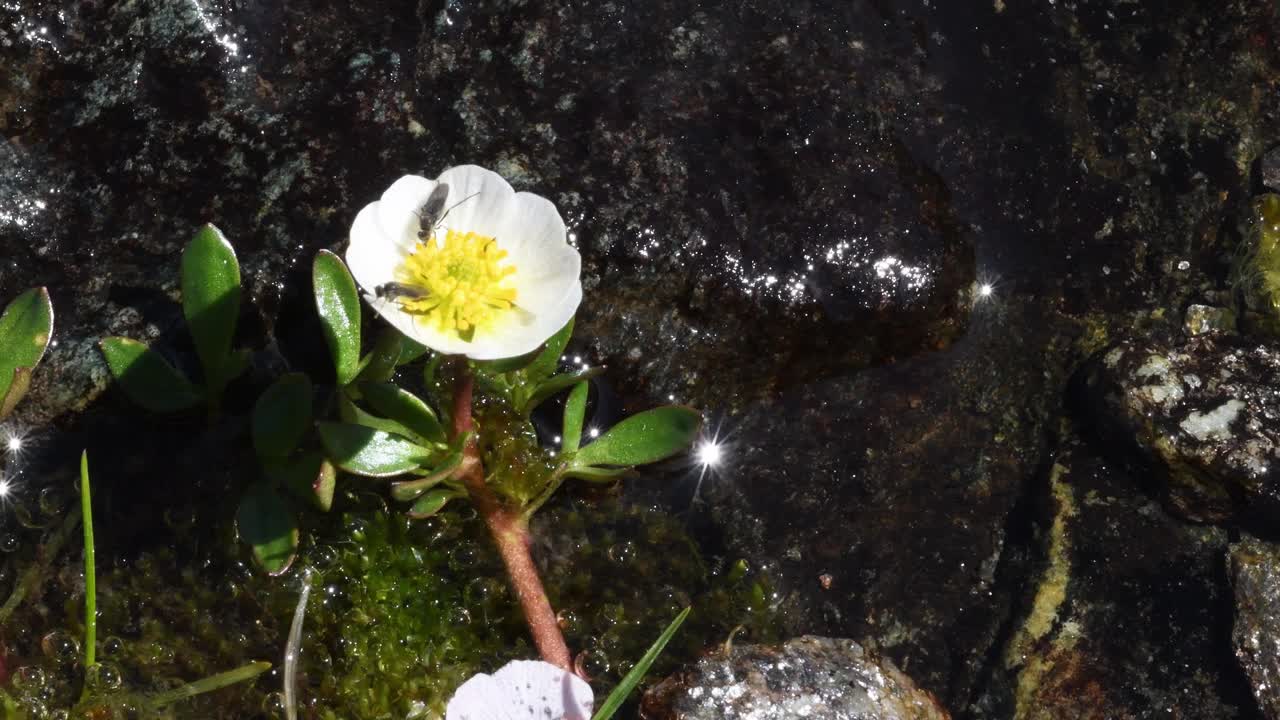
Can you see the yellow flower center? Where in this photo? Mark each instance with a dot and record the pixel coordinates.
(462, 284)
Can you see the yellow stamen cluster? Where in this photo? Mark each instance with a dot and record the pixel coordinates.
(465, 285)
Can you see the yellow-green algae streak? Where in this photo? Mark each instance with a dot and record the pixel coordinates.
(1258, 269)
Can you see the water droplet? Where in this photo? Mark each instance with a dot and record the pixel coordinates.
(8, 542)
(112, 647)
(273, 705)
(623, 553)
(458, 615)
(323, 556)
(60, 646)
(569, 621)
(29, 680)
(590, 664)
(103, 677)
(463, 557)
(53, 501)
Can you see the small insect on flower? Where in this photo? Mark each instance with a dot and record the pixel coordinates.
(433, 212)
(397, 290)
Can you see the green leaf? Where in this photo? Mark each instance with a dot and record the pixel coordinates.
(648, 437)
(405, 408)
(432, 503)
(596, 474)
(548, 358)
(352, 413)
(309, 476)
(25, 329)
(265, 522)
(147, 378)
(410, 350)
(381, 363)
(338, 303)
(282, 415)
(372, 453)
(637, 673)
(555, 384)
(575, 408)
(211, 302)
(409, 489)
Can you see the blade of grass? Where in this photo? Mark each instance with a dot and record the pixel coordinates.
(294, 648)
(90, 574)
(204, 685)
(633, 678)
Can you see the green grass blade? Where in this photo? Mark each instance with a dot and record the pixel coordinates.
(90, 573)
(213, 682)
(633, 678)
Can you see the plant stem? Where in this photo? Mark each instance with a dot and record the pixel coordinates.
(90, 574)
(511, 534)
(204, 685)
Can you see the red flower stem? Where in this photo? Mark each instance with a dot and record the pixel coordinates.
(510, 533)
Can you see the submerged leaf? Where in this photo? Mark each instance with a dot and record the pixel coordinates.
(282, 415)
(644, 438)
(265, 522)
(432, 503)
(338, 303)
(147, 378)
(25, 329)
(372, 453)
(410, 489)
(211, 302)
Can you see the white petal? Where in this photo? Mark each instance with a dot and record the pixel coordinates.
(479, 201)
(372, 256)
(526, 331)
(398, 209)
(536, 689)
(475, 700)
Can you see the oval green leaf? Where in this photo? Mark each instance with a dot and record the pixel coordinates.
(338, 304)
(25, 329)
(380, 365)
(644, 438)
(147, 378)
(282, 415)
(309, 476)
(266, 523)
(555, 384)
(211, 301)
(372, 453)
(410, 350)
(432, 503)
(352, 413)
(405, 408)
(575, 409)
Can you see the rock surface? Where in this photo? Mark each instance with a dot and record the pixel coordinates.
(1127, 615)
(1255, 576)
(808, 677)
(1205, 413)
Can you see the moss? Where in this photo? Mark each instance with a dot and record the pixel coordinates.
(1257, 271)
(401, 612)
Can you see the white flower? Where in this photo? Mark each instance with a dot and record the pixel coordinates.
(523, 689)
(494, 278)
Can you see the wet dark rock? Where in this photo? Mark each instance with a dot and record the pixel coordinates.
(1204, 413)
(883, 501)
(1269, 167)
(1127, 614)
(1255, 577)
(809, 677)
